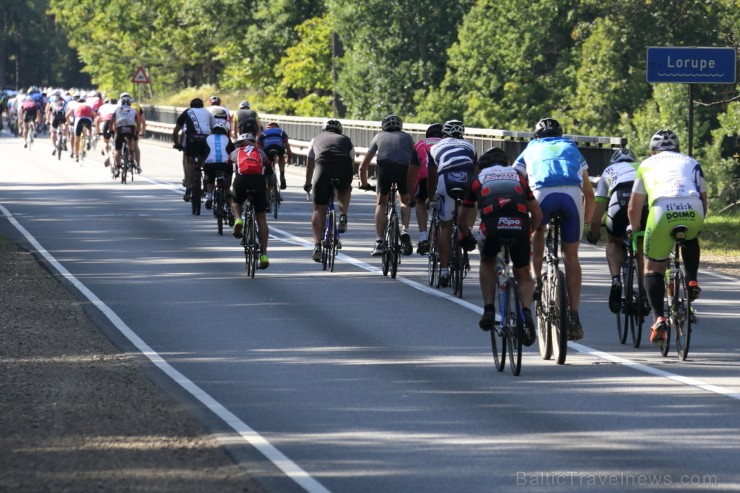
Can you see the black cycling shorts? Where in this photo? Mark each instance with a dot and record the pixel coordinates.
(196, 146)
(387, 173)
(213, 169)
(514, 226)
(126, 131)
(321, 177)
(243, 183)
(280, 151)
(616, 213)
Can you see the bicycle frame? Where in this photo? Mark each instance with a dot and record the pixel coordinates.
(508, 333)
(391, 235)
(552, 330)
(678, 302)
(459, 263)
(330, 239)
(250, 235)
(433, 254)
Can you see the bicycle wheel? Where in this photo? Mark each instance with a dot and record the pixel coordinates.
(559, 327)
(624, 316)
(456, 267)
(513, 327)
(433, 255)
(327, 240)
(682, 316)
(255, 243)
(333, 242)
(218, 209)
(196, 191)
(130, 165)
(124, 164)
(395, 245)
(275, 202)
(386, 258)
(544, 339)
(640, 300)
(671, 299)
(498, 340)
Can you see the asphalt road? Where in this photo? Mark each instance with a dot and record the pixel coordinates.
(349, 381)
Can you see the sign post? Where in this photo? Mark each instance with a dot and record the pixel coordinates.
(691, 65)
(140, 77)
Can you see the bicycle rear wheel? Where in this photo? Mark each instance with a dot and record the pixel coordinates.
(559, 327)
(544, 339)
(671, 299)
(498, 341)
(433, 255)
(638, 318)
(513, 327)
(326, 247)
(395, 245)
(682, 316)
(624, 316)
(124, 164)
(386, 258)
(218, 209)
(456, 267)
(196, 192)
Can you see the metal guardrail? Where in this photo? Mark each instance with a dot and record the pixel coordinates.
(596, 150)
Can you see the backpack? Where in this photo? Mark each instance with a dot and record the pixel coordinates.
(249, 160)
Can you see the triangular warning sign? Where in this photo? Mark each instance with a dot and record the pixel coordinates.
(140, 76)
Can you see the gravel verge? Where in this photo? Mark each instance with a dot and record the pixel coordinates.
(78, 415)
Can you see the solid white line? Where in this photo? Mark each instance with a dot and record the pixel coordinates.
(295, 240)
(291, 469)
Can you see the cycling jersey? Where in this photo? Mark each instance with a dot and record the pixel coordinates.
(613, 176)
(422, 156)
(669, 174)
(273, 138)
(334, 155)
(83, 111)
(220, 113)
(392, 148)
(196, 121)
(220, 147)
(451, 153)
(552, 162)
(105, 113)
(246, 121)
(125, 116)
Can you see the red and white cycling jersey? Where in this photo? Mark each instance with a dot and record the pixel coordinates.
(105, 112)
(83, 111)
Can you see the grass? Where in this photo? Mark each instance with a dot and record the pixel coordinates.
(721, 235)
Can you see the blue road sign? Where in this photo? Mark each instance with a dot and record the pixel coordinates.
(698, 65)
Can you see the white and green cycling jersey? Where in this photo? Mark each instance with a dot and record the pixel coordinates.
(674, 185)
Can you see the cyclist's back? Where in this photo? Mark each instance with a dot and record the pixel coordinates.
(246, 120)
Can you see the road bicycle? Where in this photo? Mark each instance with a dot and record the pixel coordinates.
(221, 210)
(508, 333)
(681, 315)
(552, 306)
(59, 142)
(433, 254)
(127, 162)
(250, 235)
(196, 186)
(633, 306)
(30, 134)
(274, 196)
(391, 234)
(330, 242)
(459, 264)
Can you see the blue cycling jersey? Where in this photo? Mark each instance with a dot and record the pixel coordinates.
(552, 162)
(273, 137)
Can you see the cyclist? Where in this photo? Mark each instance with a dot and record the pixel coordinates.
(70, 116)
(102, 124)
(418, 176)
(274, 140)
(508, 209)
(196, 123)
(332, 155)
(612, 196)
(219, 149)
(251, 166)
(452, 163)
(246, 120)
(219, 112)
(29, 115)
(558, 175)
(57, 121)
(142, 130)
(673, 186)
(83, 117)
(125, 124)
(394, 148)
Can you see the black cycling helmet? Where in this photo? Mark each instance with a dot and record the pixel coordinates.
(391, 123)
(434, 130)
(196, 103)
(453, 128)
(548, 127)
(623, 155)
(332, 125)
(494, 155)
(664, 140)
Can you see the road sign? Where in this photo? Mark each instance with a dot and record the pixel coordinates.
(696, 65)
(140, 76)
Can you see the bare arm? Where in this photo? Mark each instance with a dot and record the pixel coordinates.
(634, 210)
(588, 196)
(362, 170)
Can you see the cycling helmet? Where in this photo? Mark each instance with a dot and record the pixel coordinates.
(453, 128)
(221, 127)
(391, 123)
(244, 105)
(623, 155)
(124, 95)
(332, 126)
(273, 125)
(246, 138)
(434, 130)
(215, 100)
(126, 100)
(494, 155)
(548, 127)
(664, 140)
(196, 103)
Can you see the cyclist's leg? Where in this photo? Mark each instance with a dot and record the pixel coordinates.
(658, 244)
(422, 218)
(344, 191)
(117, 146)
(321, 193)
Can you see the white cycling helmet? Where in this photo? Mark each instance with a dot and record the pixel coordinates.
(453, 128)
(248, 137)
(623, 155)
(664, 140)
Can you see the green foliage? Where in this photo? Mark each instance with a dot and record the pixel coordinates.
(722, 233)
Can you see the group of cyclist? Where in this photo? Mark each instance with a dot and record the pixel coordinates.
(79, 116)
